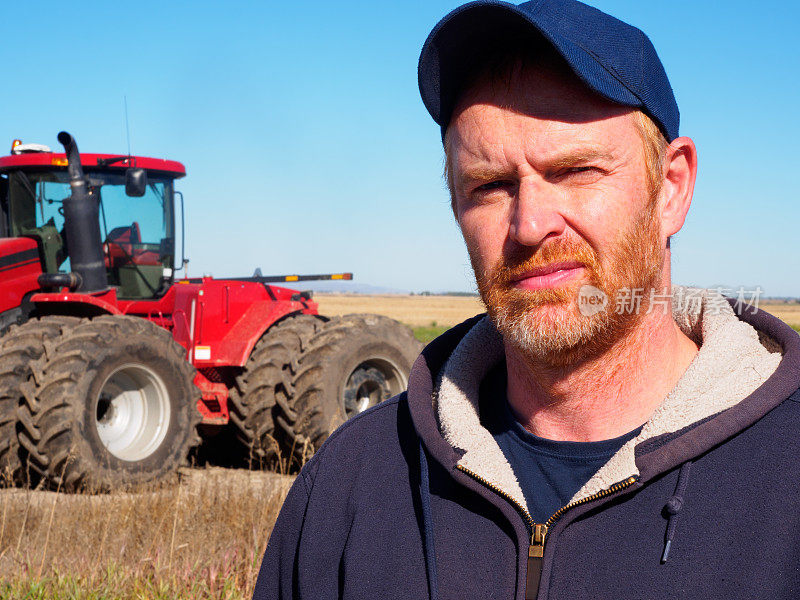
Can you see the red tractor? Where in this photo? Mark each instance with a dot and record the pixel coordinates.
(112, 370)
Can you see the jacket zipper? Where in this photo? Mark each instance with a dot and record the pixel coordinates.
(538, 531)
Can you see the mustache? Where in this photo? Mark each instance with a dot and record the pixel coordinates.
(517, 264)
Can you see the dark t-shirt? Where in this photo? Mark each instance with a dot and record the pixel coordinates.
(549, 472)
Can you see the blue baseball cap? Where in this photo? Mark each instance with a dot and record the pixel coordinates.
(614, 59)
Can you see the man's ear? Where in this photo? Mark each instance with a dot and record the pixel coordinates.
(680, 172)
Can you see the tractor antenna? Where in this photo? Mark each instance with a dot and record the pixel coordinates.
(127, 127)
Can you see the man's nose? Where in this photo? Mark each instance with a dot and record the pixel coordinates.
(537, 214)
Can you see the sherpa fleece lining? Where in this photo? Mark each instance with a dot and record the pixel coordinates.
(730, 365)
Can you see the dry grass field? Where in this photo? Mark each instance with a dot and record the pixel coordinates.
(416, 311)
(787, 312)
(446, 311)
(200, 539)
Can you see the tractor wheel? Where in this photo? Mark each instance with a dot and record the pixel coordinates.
(266, 382)
(352, 364)
(116, 407)
(20, 348)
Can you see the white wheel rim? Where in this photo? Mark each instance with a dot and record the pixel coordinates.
(371, 382)
(132, 414)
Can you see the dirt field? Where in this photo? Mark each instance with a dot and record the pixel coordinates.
(415, 311)
(450, 310)
(789, 313)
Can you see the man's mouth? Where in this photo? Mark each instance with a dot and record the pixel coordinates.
(548, 276)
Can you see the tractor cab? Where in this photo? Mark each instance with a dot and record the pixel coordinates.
(135, 198)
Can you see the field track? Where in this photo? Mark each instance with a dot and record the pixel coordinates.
(418, 311)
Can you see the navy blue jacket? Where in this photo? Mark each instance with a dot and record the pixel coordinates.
(371, 516)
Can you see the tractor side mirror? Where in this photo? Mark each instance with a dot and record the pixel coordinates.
(135, 182)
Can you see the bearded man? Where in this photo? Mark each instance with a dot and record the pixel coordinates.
(595, 435)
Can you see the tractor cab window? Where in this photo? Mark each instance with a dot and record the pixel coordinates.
(35, 199)
(137, 233)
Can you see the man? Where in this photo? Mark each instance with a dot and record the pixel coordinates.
(599, 434)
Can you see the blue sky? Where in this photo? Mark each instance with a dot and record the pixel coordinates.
(308, 149)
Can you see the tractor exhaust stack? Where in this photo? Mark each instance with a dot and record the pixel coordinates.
(82, 224)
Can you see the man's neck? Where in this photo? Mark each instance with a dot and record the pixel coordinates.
(604, 397)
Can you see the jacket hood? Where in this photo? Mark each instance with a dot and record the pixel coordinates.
(747, 364)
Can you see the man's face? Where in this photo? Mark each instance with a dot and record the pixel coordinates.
(551, 195)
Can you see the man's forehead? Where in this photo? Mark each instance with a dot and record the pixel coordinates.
(557, 143)
(536, 125)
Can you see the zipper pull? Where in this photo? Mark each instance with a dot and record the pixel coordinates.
(535, 555)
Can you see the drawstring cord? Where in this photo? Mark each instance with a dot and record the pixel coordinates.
(427, 519)
(674, 506)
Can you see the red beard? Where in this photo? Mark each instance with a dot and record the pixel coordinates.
(546, 325)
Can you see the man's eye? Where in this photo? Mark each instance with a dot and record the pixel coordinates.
(492, 185)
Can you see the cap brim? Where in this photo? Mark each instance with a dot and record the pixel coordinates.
(464, 33)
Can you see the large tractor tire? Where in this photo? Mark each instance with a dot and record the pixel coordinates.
(352, 364)
(116, 407)
(21, 347)
(266, 384)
